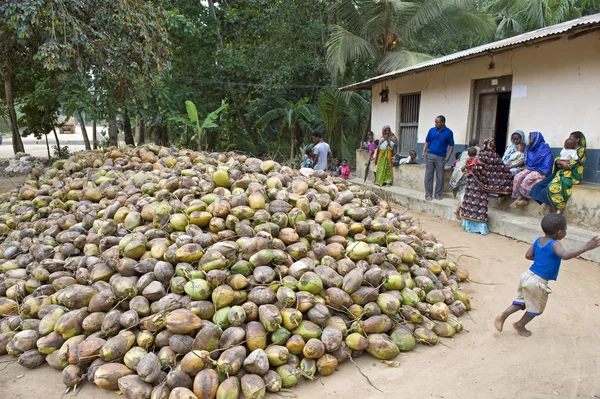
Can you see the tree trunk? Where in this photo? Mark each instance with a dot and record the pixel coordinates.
(331, 20)
(294, 133)
(94, 135)
(160, 135)
(47, 146)
(211, 8)
(57, 141)
(113, 131)
(86, 139)
(127, 130)
(17, 143)
(140, 130)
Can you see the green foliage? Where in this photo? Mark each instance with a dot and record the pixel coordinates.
(343, 116)
(207, 123)
(383, 30)
(293, 120)
(62, 152)
(514, 17)
(264, 73)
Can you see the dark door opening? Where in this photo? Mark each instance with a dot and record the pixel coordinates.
(502, 114)
(491, 110)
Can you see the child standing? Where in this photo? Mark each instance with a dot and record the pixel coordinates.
(470, 163)
(546, 254)
(516, 162)
(345, 170)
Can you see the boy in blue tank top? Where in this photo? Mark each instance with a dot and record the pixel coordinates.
(546, 254)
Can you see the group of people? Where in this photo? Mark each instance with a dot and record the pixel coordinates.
(316, 158)
(526, 171)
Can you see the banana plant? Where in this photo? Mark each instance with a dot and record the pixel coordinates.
(207, 123)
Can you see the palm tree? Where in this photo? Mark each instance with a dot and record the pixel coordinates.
(343, 114)
(382, 30)
(519, 16)
(293, 119)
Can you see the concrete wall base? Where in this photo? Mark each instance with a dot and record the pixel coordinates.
(518, 227)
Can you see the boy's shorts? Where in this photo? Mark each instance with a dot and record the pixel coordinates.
(532, 293)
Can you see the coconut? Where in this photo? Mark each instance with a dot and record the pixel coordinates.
(403, 338)
(439, 311)
(206, 384)
(425, 336)
(382, 347)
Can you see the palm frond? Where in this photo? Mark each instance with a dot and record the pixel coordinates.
(343, 46)
(395, 60)
(270, 117)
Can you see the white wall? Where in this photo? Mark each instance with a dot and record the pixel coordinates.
(563, 91)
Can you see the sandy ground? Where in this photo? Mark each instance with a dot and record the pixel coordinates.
(559, 360)
(9, 183)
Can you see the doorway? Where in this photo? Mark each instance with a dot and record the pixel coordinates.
(491, 110)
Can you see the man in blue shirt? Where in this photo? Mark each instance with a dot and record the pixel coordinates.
(438, 147)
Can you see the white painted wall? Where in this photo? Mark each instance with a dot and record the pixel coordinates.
(563, 91)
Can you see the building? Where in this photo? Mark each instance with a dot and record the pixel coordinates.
(547, 80)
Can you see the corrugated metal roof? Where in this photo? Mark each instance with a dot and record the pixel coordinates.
(587, 22)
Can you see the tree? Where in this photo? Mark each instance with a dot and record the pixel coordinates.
(514, 17)
(382, 30)
(71, 36)
(293, 119)
(343, 115)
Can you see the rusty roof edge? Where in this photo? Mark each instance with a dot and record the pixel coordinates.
(548, 33)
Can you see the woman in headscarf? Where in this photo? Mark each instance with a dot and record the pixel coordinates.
(459, 181)
(556, 189)
(515, 139)
(384, 173)
(538, 165)
(490, 176)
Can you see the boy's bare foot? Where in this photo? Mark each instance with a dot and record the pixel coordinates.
(499, 322)
(457, 214)
(514, 204)
(521, 330)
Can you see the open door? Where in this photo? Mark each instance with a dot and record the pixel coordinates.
(491, 110)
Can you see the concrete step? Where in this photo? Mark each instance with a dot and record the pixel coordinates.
(582, 209)
(518, 227)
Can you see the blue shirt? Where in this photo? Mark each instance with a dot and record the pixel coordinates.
(545, 262)
(439, 141)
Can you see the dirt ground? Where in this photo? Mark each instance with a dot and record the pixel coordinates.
(10, 183)
(561, 359)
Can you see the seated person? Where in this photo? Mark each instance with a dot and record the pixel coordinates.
(457, 157)
(516, 162)
(411, 159)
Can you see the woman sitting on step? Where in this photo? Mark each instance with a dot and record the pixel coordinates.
(538, 165)
(556, 189)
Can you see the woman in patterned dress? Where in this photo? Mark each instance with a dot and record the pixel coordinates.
(556, 189)
(490, 176)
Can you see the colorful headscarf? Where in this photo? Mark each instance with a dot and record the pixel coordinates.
(538, 155)
(512, 147)
(383, 142)
(491, 173)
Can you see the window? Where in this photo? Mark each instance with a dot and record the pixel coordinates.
(409, 122)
